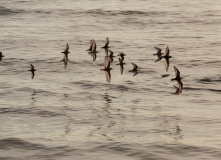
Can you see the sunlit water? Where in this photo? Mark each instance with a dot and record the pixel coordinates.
(74, 113)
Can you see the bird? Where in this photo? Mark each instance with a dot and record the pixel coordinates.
(158, 54)
(121, 63)
(94, 47)
(66, 51)
(135, 70)
(106, 43)
(178, 79)
(1, 56)
(32, 71)
(166, 57)
(91, 45)
(111, 55)
(107, 69)
(121, 55)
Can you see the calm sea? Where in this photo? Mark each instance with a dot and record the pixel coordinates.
(73, 113)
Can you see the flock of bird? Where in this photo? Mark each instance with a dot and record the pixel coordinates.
(109, 58)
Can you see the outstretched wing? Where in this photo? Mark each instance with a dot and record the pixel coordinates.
(167, 52)
(107, 42)
(166, 61)
(32, 67)
(91, 46)
(177, 72)
(67, 48)
(135, 66)
(94, 46)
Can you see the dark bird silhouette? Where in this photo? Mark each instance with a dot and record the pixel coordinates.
(32, 71)
(135, 69)
(111, 55)
(121, 55)
(158, 54)
(91, 46)
(107, 69)
(121, 63)
(106, 43)
(178, 79)
(66, 51)
(94, 47)
(1, 56)
(166, 57)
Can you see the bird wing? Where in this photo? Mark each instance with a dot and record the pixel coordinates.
(107, 42)
(32, 67)
(166, 61)
(177, 89)
(67, 48)
(180, 84)
(106, 51)
(91, 46)
(32, 74)
(65, 64)
(177, 72)
(158, 49)
(135, 73)
(135, 66)
(167, 52)
(94, 46)
(121, 68)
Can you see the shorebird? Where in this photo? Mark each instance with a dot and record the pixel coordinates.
(121, 63)
(106, 43)
(166, 57)
(111, 56)
(66, 51)
(121, 55)
(32, 71)
(91, 45)
(107, 69)
(158, 54)
(1, 56)
(178, 79)
(94, 47)
(135, 70)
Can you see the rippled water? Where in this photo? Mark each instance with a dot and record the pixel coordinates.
(74, 113)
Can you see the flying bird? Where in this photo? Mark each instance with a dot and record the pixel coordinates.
(121, 55)
(94, 47)
(32, 71)
(106, 43)
(107, 69)
(135, 70)
(66, 51)
(158, 54)
(1, 56)
(121, 63)
(178, 79)
(166, 57)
